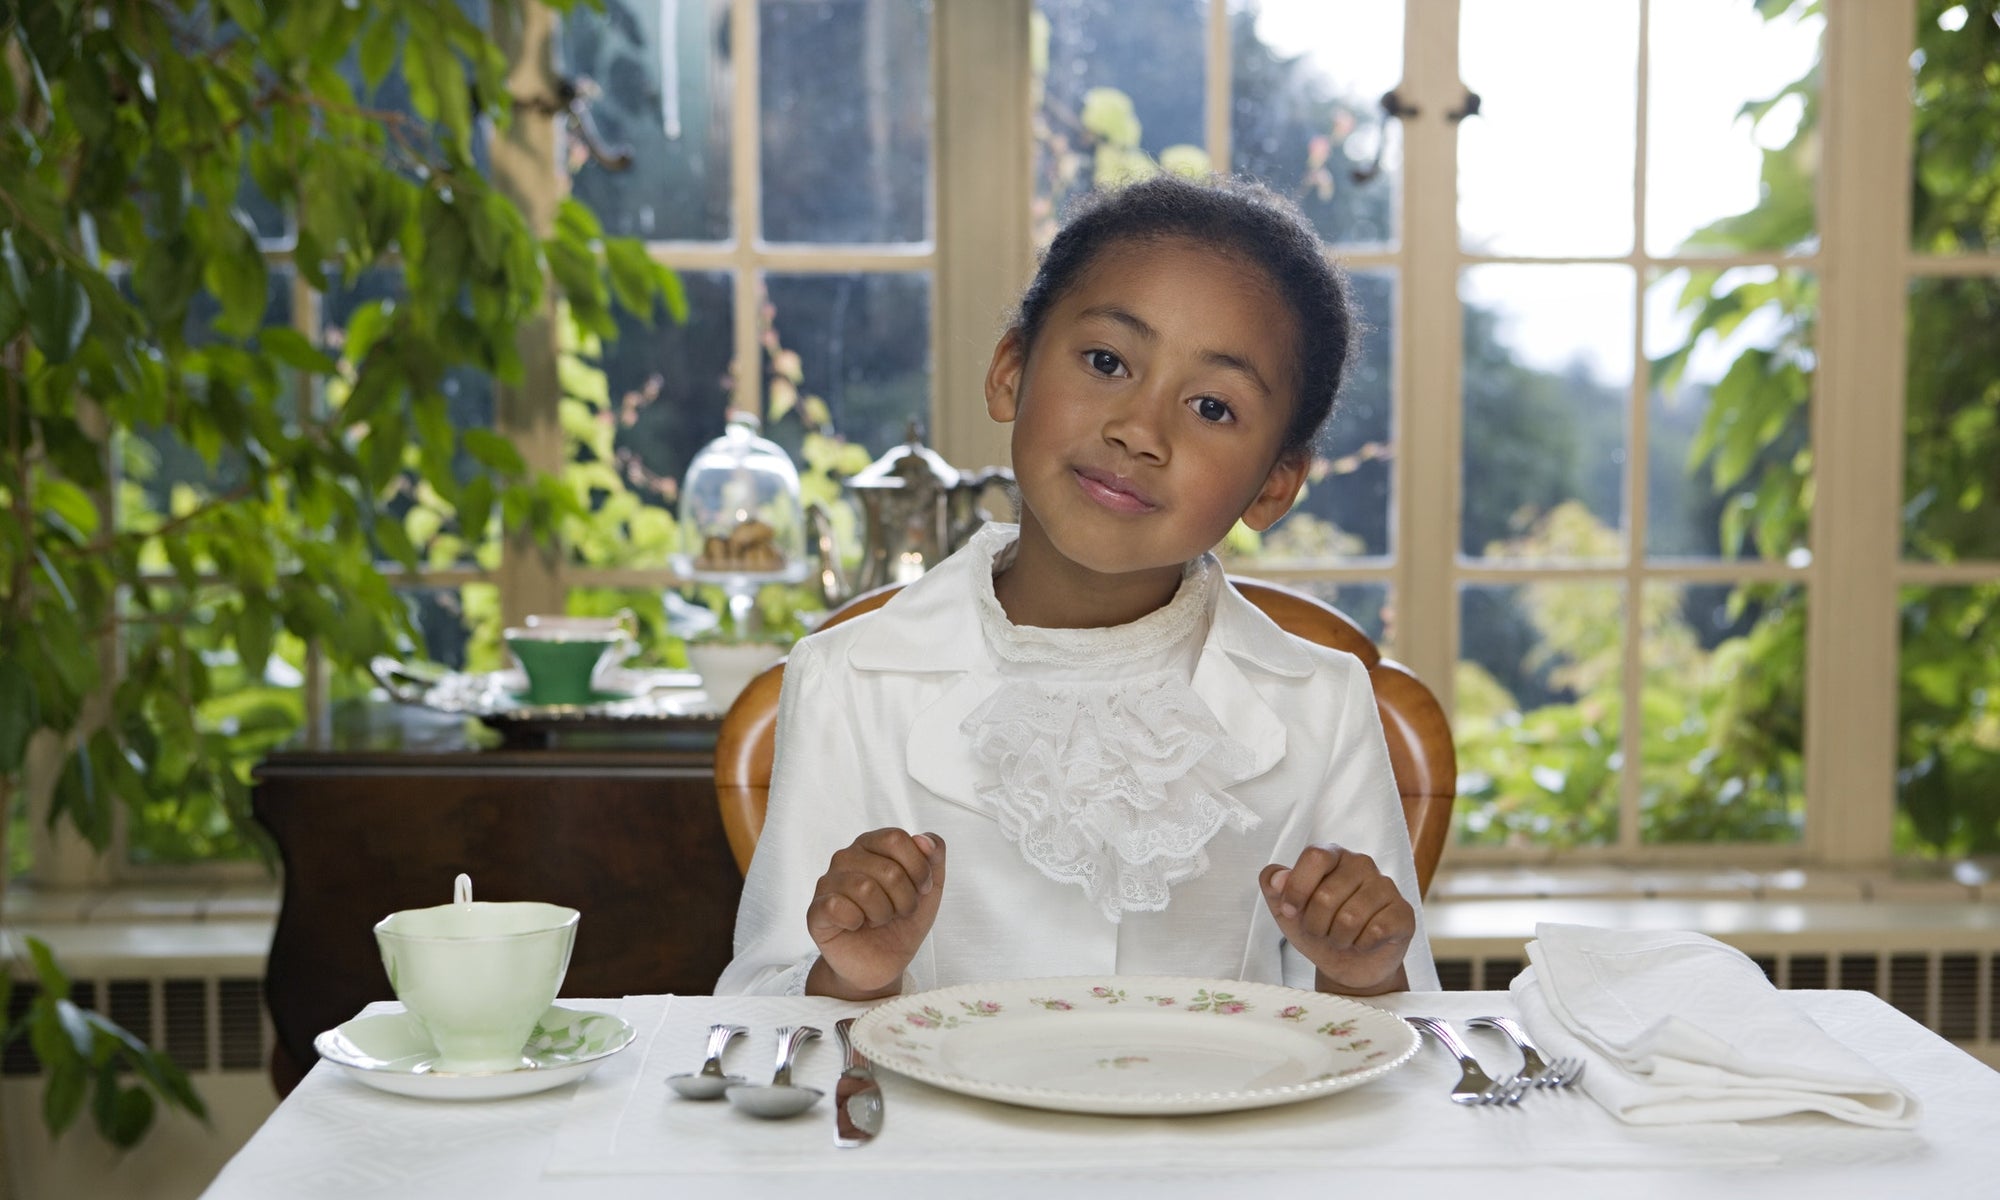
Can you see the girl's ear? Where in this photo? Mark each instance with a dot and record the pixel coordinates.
(1280, 490)
(1003, 377)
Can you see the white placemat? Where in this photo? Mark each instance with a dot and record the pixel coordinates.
(625, 1120)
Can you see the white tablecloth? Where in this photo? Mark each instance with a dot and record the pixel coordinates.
(619, 1135)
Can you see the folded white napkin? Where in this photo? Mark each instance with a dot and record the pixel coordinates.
(1678, 1027)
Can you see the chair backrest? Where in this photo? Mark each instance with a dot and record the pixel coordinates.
(1419, 736)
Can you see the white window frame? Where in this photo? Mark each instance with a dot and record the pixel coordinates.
(1856, 570)
(982, 255)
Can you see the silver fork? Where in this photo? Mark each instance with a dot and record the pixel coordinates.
(1537, 1068)
(1474, 1086)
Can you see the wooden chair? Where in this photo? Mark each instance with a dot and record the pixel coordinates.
(1419, 736)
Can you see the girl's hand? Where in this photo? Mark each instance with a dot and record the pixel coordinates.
(1345, 916)
(871, 910)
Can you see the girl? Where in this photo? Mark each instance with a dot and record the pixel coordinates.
(1134, 770)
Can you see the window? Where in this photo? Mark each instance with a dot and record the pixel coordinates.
(779, 160)
(1601, 477)
(1612, 471)
(1948, 755)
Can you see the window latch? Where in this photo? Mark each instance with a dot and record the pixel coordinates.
(572, 101)
(1394, 107)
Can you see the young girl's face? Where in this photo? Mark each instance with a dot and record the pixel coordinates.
(1150, 413)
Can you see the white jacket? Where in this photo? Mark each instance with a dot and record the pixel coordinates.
(869, 735)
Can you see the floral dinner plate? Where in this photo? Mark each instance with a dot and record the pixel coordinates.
(392, 1052)
(1135, 1044)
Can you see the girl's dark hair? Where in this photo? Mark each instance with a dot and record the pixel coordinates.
(1225, 214)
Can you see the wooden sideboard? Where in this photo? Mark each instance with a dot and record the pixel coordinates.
(380, 811)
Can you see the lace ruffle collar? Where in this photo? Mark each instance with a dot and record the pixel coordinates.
(1183, 618)
(1114, 784)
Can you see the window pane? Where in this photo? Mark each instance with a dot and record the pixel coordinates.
(457, 627)
(1705, 161)
(1548, 368)
(636, 412)
(1120, 83)
(1538, 713)
(1366, 604)
(1728, 441)
(1948, 761)
(1546, 166)
(864, 346)
(1723, 710)
(1345, 512)
(846, 120)
(193, 812)
(1305, 115)
(1955, 191)
(661, 73)
(1951, 474)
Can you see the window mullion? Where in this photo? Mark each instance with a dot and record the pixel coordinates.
(1631, 730)
(527, 170)
(1221, 84)
(1428, 419)
(985, 162)
(1852, 624)
(747, 201)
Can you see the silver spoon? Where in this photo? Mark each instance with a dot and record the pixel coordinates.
(780, 1097)
(709, 1083)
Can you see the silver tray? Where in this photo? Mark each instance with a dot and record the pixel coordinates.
(624, 695)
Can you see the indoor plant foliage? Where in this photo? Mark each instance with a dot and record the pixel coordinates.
(148, 638)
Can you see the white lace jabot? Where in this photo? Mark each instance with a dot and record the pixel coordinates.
(1101, 762)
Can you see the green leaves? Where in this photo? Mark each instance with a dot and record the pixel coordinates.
(90, 1059)
(234, 272)
(254, 471)
(20, 712)
(13, 288)
(58, 313)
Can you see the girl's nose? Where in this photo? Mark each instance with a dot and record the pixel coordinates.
(1138, 427)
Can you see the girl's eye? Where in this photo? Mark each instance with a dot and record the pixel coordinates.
(1104, 362)
(1208, 408)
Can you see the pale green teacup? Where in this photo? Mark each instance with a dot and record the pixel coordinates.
(477, 975)
(562, 661)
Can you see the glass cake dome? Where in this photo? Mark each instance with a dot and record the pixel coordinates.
(742, 525)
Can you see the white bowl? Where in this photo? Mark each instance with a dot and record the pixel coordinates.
(726, 668)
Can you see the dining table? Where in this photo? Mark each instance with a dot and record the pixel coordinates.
(620, 1133)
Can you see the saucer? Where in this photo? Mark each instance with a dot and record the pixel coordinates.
(391, 1051)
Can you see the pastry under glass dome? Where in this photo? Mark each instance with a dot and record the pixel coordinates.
(741, 522)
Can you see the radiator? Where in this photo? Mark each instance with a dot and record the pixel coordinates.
(211, 1025)
(207, 1026)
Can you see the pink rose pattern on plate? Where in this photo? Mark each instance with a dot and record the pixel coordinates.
(1220, 1003)
(908, 1036)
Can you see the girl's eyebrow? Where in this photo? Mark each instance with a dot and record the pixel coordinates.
(1218, 358)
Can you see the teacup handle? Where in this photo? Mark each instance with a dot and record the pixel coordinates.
(461, 889)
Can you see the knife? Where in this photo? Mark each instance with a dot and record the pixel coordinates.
(857, 1097)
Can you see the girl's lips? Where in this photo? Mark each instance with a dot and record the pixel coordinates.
(1112, 492)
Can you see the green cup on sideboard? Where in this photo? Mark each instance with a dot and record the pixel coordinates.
(562, 662)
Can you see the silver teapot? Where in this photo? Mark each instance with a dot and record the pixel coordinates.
(916, 509)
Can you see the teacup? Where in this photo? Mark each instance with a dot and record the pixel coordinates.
(477, 975)
(563, 655)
